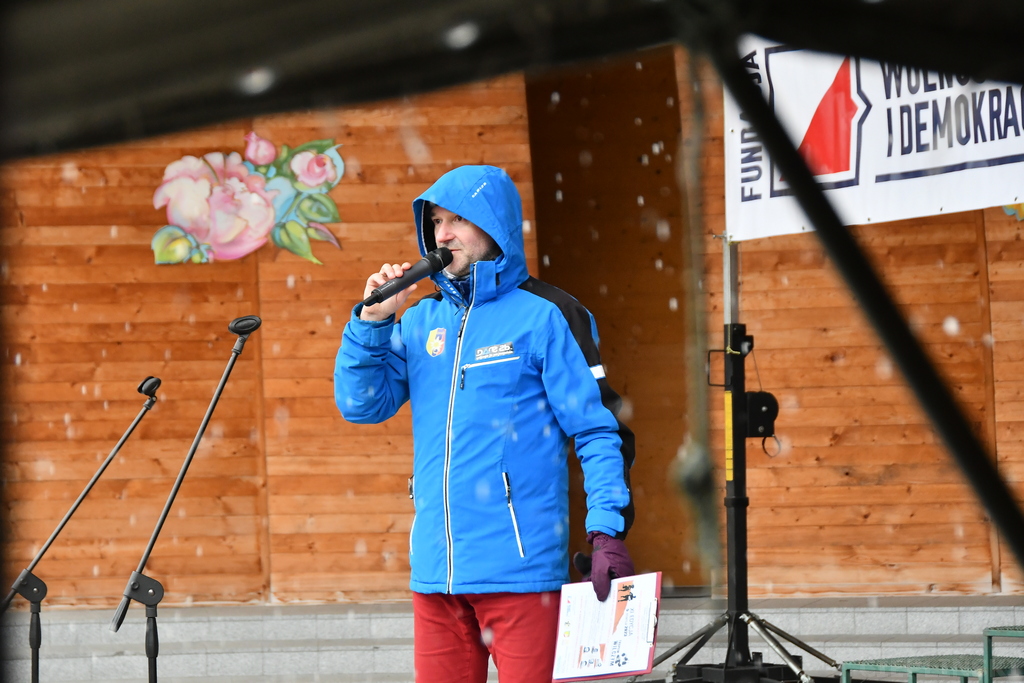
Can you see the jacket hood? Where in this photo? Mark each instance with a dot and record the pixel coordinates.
(487, 197)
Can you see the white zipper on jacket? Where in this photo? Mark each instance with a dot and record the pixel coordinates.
(462, 373)
(512, 510)
(412, 497)
(448, 433)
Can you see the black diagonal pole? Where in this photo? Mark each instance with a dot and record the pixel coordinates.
(709, 27)
(31, 587)
(874, 299)
(140, 587)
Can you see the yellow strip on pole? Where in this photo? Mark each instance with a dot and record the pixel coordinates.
(728, 436)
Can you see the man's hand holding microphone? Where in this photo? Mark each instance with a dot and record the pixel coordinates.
(387, 289)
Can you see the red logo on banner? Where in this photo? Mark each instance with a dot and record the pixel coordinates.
(820, 100)
(826, 144)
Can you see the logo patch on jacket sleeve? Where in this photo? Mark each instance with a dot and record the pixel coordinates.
(435, 342)
(494, 351)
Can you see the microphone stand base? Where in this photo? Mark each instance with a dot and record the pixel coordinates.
(33, 589)
(149, 592)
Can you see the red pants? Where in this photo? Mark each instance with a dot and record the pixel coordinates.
(454, 634)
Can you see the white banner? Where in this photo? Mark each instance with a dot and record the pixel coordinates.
(884, 141)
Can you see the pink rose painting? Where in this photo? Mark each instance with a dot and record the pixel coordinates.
(223, 207)
(259, 151)
(312, 169)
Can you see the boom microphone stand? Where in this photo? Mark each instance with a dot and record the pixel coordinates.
(140, 587)
(31, 587)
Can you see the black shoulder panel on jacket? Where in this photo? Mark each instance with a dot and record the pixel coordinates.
(578, 318)
(575, 313)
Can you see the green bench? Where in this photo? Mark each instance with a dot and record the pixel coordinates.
(997, 632)
(985, 667)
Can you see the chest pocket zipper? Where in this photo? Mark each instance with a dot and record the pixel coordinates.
(462, 370)
(512, 511)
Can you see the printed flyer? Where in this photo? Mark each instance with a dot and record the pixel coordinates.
(611, 638)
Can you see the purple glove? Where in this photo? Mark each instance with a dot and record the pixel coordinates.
(610, 561)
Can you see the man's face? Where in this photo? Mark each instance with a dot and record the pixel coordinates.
(467, 242)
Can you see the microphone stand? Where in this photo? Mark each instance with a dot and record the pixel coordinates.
(140, 587)
(31, 587)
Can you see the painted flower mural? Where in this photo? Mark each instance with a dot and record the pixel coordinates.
(1015, 210)
(223, 207)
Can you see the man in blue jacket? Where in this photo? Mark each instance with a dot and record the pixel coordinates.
(502, 370)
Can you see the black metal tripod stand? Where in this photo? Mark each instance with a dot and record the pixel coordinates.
(747, 415)
(30, 586)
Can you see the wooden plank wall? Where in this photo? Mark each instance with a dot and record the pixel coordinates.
(603, 137)
(862, 499)
(1005, 252)
(284, 500)
(85, 317)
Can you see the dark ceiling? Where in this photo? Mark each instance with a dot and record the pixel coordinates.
(83, 72)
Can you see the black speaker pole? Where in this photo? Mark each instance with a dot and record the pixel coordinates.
(737, 345)
(31, 587)
(140, 587)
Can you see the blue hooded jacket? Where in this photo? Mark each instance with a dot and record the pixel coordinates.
(499, 383)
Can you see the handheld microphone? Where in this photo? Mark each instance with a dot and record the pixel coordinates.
(431, 263)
